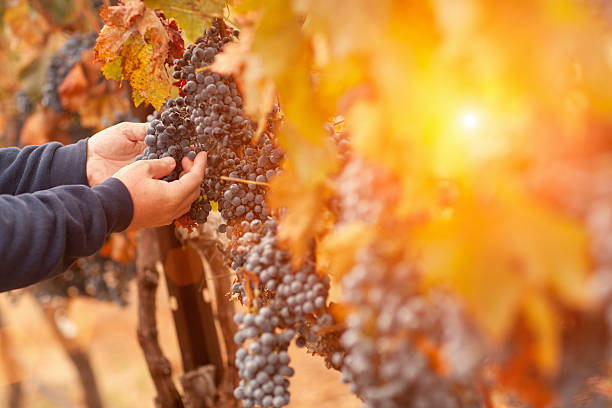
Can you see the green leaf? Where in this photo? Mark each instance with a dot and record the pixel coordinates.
(192, 16)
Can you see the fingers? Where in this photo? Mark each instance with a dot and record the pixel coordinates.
(188, 186)
(196, 172)
(134, 132)
(159, 168)
(199, 164)
(187, 164)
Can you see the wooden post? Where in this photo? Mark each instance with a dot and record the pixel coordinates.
(193, 314)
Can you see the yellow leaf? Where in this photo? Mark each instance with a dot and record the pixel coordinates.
(114, 69)
(136, 43)
(543, 322)
(192, 16)
(303, 217)
(278, 39)
(149, 84)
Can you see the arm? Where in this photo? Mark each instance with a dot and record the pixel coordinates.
(88, 162)
(44, 232)
(36, 168)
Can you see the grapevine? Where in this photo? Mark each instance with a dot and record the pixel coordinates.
(283, 303)
(416, 193)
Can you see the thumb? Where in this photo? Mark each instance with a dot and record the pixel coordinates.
(159, 168)
(137, 131)
(195, 172)
(191, 180)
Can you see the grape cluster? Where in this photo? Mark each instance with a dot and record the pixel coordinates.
(382, 365)
(169, 136)
(61, 64)
(263, 366)
(96, 276)
(296, 294)
(365, 192)
(247, 200)
(209, 116)
(287, 303)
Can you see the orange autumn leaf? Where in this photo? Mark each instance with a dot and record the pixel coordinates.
(25, 25)
(73, 90)
(97, 102)
(136, 43)
(191, 15)
(120, 247)
(520, 372)
(303, 219)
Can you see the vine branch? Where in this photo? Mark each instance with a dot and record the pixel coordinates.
(147, 280)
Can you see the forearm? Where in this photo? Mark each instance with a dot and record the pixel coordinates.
(42, 233)
(36, 168)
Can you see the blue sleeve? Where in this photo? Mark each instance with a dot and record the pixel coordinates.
(36, 168)
(42, 233)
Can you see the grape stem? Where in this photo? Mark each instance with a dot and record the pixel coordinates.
(239, 180)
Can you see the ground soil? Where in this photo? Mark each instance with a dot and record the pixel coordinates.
(109, 334)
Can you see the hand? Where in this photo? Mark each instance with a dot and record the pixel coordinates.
(112, 149)
(158, 202)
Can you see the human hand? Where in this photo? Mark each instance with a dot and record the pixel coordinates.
(157, 202)
(112, 149)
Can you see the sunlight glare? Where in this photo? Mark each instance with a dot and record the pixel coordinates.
(470, 120)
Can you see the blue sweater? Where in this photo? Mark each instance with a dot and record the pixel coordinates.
(49, 216)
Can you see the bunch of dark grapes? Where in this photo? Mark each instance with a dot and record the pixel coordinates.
(61, 64)
(384, 365)
(284, 303)
(96, 276)
(209, 116)
(263, 366)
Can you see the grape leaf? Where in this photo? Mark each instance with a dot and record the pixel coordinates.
(303, 218)
(73, 90)
(97, 102)
(279, 52)
(192, 16)
(141, 41)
